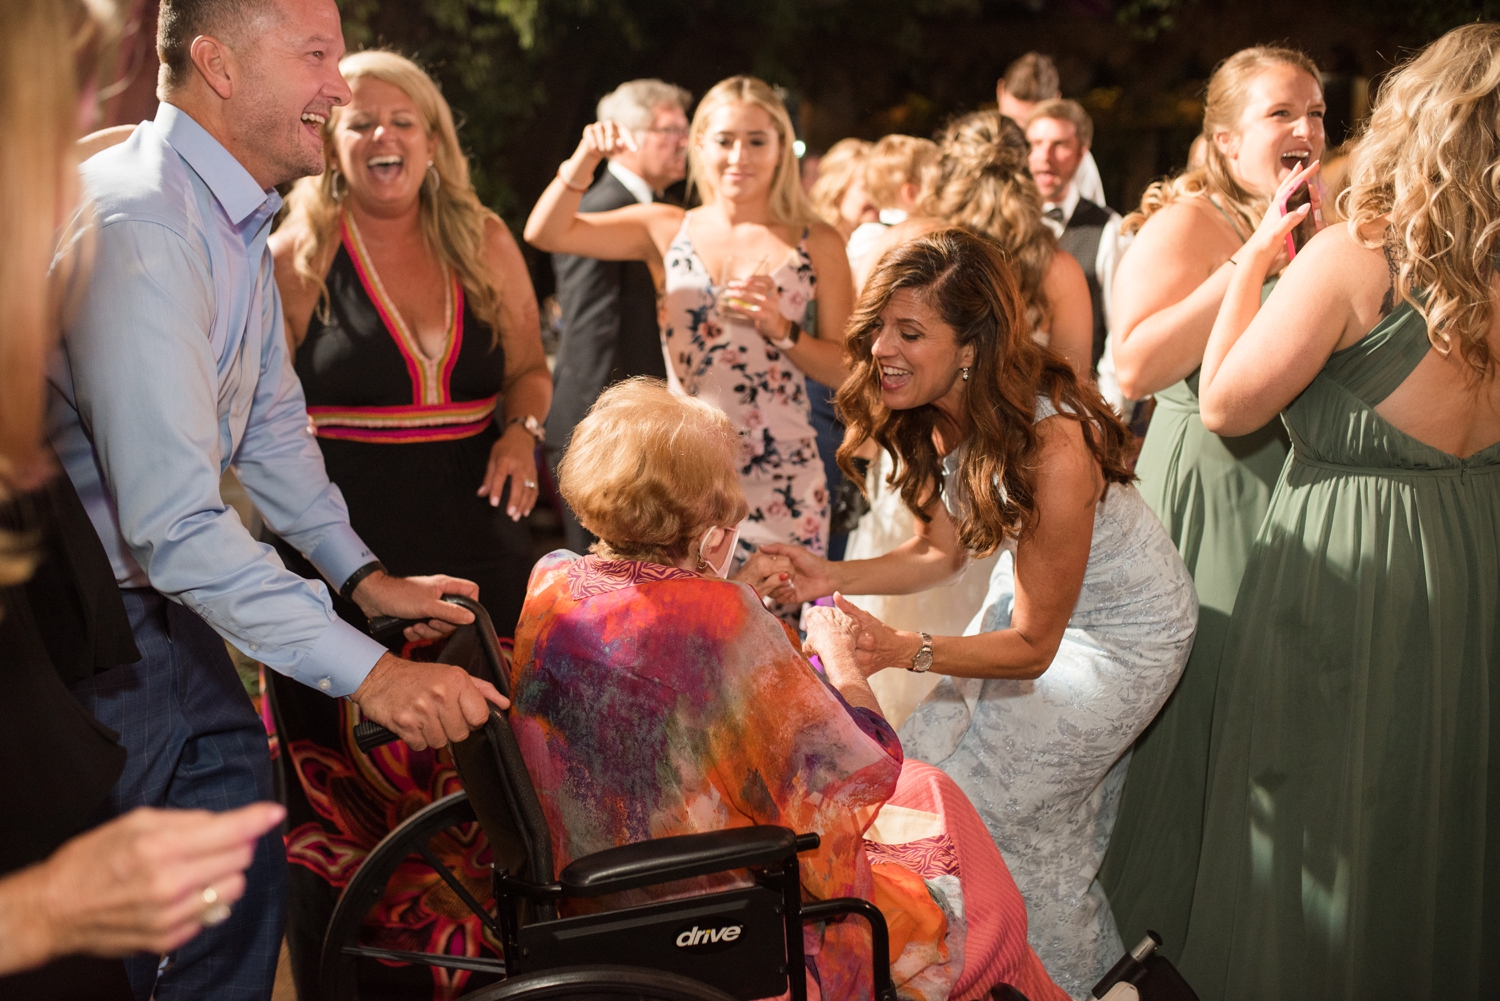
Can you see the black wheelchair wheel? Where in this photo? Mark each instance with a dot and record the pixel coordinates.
(599, 983)
(341, 946)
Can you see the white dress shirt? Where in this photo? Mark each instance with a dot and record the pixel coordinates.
(634, 183)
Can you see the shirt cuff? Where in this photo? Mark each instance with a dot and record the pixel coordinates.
(340, 554)
(339, 662)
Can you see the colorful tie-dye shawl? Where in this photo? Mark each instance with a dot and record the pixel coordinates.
(650, 701)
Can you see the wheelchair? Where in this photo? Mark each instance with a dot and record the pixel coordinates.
(732, 945)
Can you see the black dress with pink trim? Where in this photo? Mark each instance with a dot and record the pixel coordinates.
(407, 439)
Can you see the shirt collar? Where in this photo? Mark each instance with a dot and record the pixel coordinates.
(225, 176)
(1069, 202)
(634, 183)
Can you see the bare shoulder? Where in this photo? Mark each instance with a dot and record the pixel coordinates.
(825, 245)
(1063, 270)
(501, 250)
(1066, 463)
(284, 245)
(661, 220)
(1187, 227)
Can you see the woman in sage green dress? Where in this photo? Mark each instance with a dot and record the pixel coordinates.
(1351, 845)
(1262, 119)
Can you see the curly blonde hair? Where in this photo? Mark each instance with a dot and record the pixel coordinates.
(453, 218)
(1427, 176)
(1228, 93)
(982, 184)
(789, 202)
(836, 171)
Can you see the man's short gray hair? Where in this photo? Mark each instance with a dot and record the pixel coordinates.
(633, 104)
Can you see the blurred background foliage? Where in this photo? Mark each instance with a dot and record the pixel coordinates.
(524, 75)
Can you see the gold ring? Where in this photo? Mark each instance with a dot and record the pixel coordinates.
(214, 911)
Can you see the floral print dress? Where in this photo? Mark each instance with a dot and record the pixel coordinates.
(764, 393)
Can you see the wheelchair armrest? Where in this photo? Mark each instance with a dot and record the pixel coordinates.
(663, 860)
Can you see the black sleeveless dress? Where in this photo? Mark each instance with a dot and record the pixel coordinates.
(407, 439)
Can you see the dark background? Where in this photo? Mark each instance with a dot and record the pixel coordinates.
(524, 75)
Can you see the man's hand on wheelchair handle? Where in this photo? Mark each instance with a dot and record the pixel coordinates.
(417, 598)
(427, 705)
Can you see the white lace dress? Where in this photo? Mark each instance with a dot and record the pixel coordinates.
(1044, 761)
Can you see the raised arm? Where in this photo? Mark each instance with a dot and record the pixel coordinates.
(1071, 313)
(632, 233)
(1167, 291)
(1051, 560)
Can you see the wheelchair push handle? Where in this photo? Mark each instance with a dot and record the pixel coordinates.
(369, 734)
(1130, 969)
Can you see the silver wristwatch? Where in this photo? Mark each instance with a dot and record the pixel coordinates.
(922, 660)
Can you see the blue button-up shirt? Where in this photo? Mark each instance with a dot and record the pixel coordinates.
(175, 368)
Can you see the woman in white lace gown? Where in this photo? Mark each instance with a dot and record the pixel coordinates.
(1090, 611)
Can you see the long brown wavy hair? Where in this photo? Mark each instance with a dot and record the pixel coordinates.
(1224, 104)
(982, 184)
(974, 289)
(1427, 174)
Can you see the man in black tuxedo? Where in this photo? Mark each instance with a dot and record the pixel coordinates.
(609, 319)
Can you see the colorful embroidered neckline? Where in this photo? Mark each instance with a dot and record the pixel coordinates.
(591, 576)
(429, 376)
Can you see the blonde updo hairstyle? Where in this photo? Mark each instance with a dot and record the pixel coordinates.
(453, 219)
(836, 172)
(982, 183)
(649, 472)
(1426, 177)
(1223, 107)
(789, 202)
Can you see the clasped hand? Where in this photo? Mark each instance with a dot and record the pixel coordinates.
(848, 638)
(427, 705)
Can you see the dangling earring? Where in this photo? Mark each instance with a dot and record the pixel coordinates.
(434, 177)
(964, 372)
(336, 186)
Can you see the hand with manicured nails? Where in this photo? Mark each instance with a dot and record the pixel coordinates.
(135, 884)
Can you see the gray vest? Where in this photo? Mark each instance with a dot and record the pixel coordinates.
(1081, 239)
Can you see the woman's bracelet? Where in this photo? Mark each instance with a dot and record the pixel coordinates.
(567, 183)
(790, 341)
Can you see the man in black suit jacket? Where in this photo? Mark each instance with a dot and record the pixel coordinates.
(609, 318)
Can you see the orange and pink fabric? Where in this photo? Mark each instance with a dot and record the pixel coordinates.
(650, 702)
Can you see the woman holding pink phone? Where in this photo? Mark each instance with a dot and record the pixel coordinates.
(743, 278)
(1351, 840)
(1262, 134)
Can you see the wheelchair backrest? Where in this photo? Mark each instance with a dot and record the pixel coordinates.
(490, 765)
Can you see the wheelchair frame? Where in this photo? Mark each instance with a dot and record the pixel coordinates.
(498, 794)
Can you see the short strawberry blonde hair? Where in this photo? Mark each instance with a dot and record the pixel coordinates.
(648, 472)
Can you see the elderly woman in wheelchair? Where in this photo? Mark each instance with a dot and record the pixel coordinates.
(654, 698)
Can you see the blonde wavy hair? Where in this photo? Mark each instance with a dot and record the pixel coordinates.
(453, 218)
(49, 51)
(789, 202)
(982, 184)
(647, 470)
(1224, 105)
(1427, 176)
(836, 171)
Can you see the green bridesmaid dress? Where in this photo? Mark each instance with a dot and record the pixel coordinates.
(1351, 843)
(1211, 493)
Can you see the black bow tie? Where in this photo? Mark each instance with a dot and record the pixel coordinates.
(1055, 214)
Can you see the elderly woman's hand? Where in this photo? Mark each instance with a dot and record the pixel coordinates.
(512, 457)
(833, 636)
(765, 573)
(877, 646)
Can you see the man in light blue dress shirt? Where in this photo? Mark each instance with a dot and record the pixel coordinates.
(174, 368)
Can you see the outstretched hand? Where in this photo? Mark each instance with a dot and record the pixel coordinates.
(417, 598)
(764, 572)
(145, 882)
(812, 577)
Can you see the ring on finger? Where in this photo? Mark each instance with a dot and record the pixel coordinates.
(530, 484)
(215, 911)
